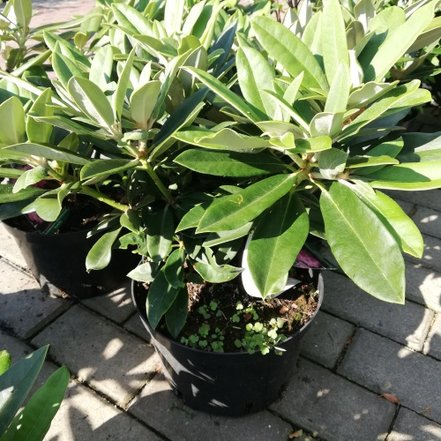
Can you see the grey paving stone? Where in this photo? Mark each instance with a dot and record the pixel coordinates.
(159, 408)
(9, 248)
(423, 286)
(385, 366)
(410, 426)
(326, 338)
(432, 345)
(430, 199)
(323, 402)
(432, 253)
(24, 307)
(134, 324)
(83, 416)
(408, 324)
(428, 221)
(111, 360)
(117, 305)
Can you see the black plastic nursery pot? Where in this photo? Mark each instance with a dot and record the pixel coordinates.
(60, 258)
(230, 384)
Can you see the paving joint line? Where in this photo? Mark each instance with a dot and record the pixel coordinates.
(392, 423)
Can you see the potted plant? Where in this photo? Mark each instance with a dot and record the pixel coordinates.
(300, 139)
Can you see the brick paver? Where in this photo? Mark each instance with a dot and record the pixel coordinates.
(411, 426)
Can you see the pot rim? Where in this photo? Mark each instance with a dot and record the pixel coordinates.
(155, 333)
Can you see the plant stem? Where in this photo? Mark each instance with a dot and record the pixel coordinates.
(161, 187)
(102, 198)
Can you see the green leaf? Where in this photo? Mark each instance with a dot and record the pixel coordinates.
(131, 18)
(173, 268)
(39, 132)
(160, 229)
(273, 247)
(227, 95)
(16, 383)
(212, 272)
(362, 245)
(144, 272)
(233, 211)
(7, 196)
(101, 67)
(338, 95)
(369, 93)
(222, 237)
(326, 124)
(176, 316)
(123, 83)
(430, 35)
(192, 217)
(255, 75)
(224, 139)
(332, 162)
(64, 68)
(397, 42)
(160, 297)
(34, 420)
(400, 225)
(333, 40)
(99, 169)
(30, 177)
(48, 206)
(71, 126)
(5, 361)
(92, 101)
(408, 176)
(142, 103)
(23, 12)
(173, 15)
(100, 254)
(370, 161)
(284, 47)
(221, 163)
(50, 153)
(14, 173)
(12, 121)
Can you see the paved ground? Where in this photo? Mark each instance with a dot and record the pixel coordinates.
(369, 371)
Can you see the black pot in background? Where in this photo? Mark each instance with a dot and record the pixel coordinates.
(231, 384)
(60, 258)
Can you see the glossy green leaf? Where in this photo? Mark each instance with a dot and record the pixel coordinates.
(225, 163)
(430, 35)
(362, 245)
(142, 103)
(192, 217)
(273, 247)
(101, 67)
(160, 297)
(224, 139)
(129, 17)
(400, 225)
(408, 176)
(144, 272)
(92, 101)
(233, 211)
(48, 206)
(160, 229)
(332, 162)
(284, 47)
(227, 95)
(212, 272)
(368, 93)
(338, 95)
(173, 268)
(173, 15)
(5, 361)
(370, 161)
(397, 42)
(12, 122)
(326, 124)
(43, 151)
(176, 315)
(16, 383)
(100, 254)
(123, 83)
(254, 75)
(14, 173)
(221, 237)
(7, 196)
(39, 132)
(71, 126)
(34, 420)
(30, 177)
(333, 40)
(23, 12)
(99, 169)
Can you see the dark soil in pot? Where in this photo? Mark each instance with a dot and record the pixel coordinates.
(229, 383)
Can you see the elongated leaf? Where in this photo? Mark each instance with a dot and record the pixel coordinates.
(130, 17)
(176, 315)
(100, 254)
(332, 162)
(23, 12)
(408, 176)
(30, 177)
(12, 121)
(173, 15)
(400, 225)
(370, 161)
(48, 206)
(227, 95)
(71, 126)
(43, 151)
(333, 40)
(142, 103)
(160, 229)
(192, 217)
(5, 361)
(14, 173)
(173, 268)
(254, 75)
(362, 245)
(282, 45)
(220, 163)
(34, 420)
(338, 96)
(101, 68)
(144, 272)
(123, 83)
(430, 35)
(100, 169)
(7, 196)
(212, 272)
(224, 139)
(397, 42)
(64, 68)
(39, 132)
(160, 297)
(273, 247)
(233, 211)
(222, 237)
(16, 383)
